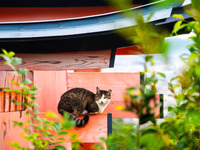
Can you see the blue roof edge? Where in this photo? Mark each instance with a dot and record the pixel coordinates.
(83, 25)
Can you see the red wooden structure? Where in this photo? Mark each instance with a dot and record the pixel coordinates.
(55, 37)
(53, 85)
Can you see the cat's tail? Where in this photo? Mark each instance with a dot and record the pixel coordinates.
(79, 122)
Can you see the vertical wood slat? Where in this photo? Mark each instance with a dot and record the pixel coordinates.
(12, 105)
(51, 84)
(6, 98)
(19, 101)
(7, 101)
(2, 102)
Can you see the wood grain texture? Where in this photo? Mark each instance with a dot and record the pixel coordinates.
(51, 84)
(63, 61)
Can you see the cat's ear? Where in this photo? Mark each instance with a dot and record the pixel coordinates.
(98, 90)
(109, 92)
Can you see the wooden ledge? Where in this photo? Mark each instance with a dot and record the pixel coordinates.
(91, 132)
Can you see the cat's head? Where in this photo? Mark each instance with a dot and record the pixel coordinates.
(103, 97)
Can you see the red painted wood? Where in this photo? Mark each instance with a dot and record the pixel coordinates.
(9, 133)
(15, 133)
(12, 105)
(7, 101)
(2, 102)
(64, 61)
(131, 50)
(90, 133)
(89, 146)
(4, 127)
(19, 99)
(134, 50)
(87, 70)
(15, 14)
(118, 82)
(127, 114)
(7, 97)
(51, 84)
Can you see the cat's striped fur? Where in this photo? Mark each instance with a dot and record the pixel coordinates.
(79, 101)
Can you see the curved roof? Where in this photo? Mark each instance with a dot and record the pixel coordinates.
(80, 25)
(98, 29)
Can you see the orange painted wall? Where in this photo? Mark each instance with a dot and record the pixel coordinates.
(117, 82)
(52, 84)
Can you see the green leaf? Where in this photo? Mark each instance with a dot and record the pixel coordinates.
(34, 88)
(15, 144)
(161, 74)
(17, 61)
(23, 71)
(15, 102)
(177, 26)
(102, 139)
(197, 70)
(60, 148)
(170, 108)
(57, 126)
(63, 133)
(34, 104)
(61, 139)
(97, 146)
(26, 81)
(11, 54)
(178, 16)
(47, 127)
(5, 52)
(35, 111)
(37, 118)
(74, 136)
(148, 58)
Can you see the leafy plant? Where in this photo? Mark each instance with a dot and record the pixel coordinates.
(182, 129)
(43, 132)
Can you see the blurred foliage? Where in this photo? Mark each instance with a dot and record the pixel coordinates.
(43, 132)
(182, 129)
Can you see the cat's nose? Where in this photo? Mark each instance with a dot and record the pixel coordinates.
(101, 102)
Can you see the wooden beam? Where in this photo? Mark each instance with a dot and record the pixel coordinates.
(130, 50)
(63, 61)
(90, 133)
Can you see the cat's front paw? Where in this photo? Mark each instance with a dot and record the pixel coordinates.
(84, 112)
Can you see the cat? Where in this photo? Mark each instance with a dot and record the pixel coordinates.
(80, 101)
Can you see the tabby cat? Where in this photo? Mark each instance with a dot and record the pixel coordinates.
(79, 101)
